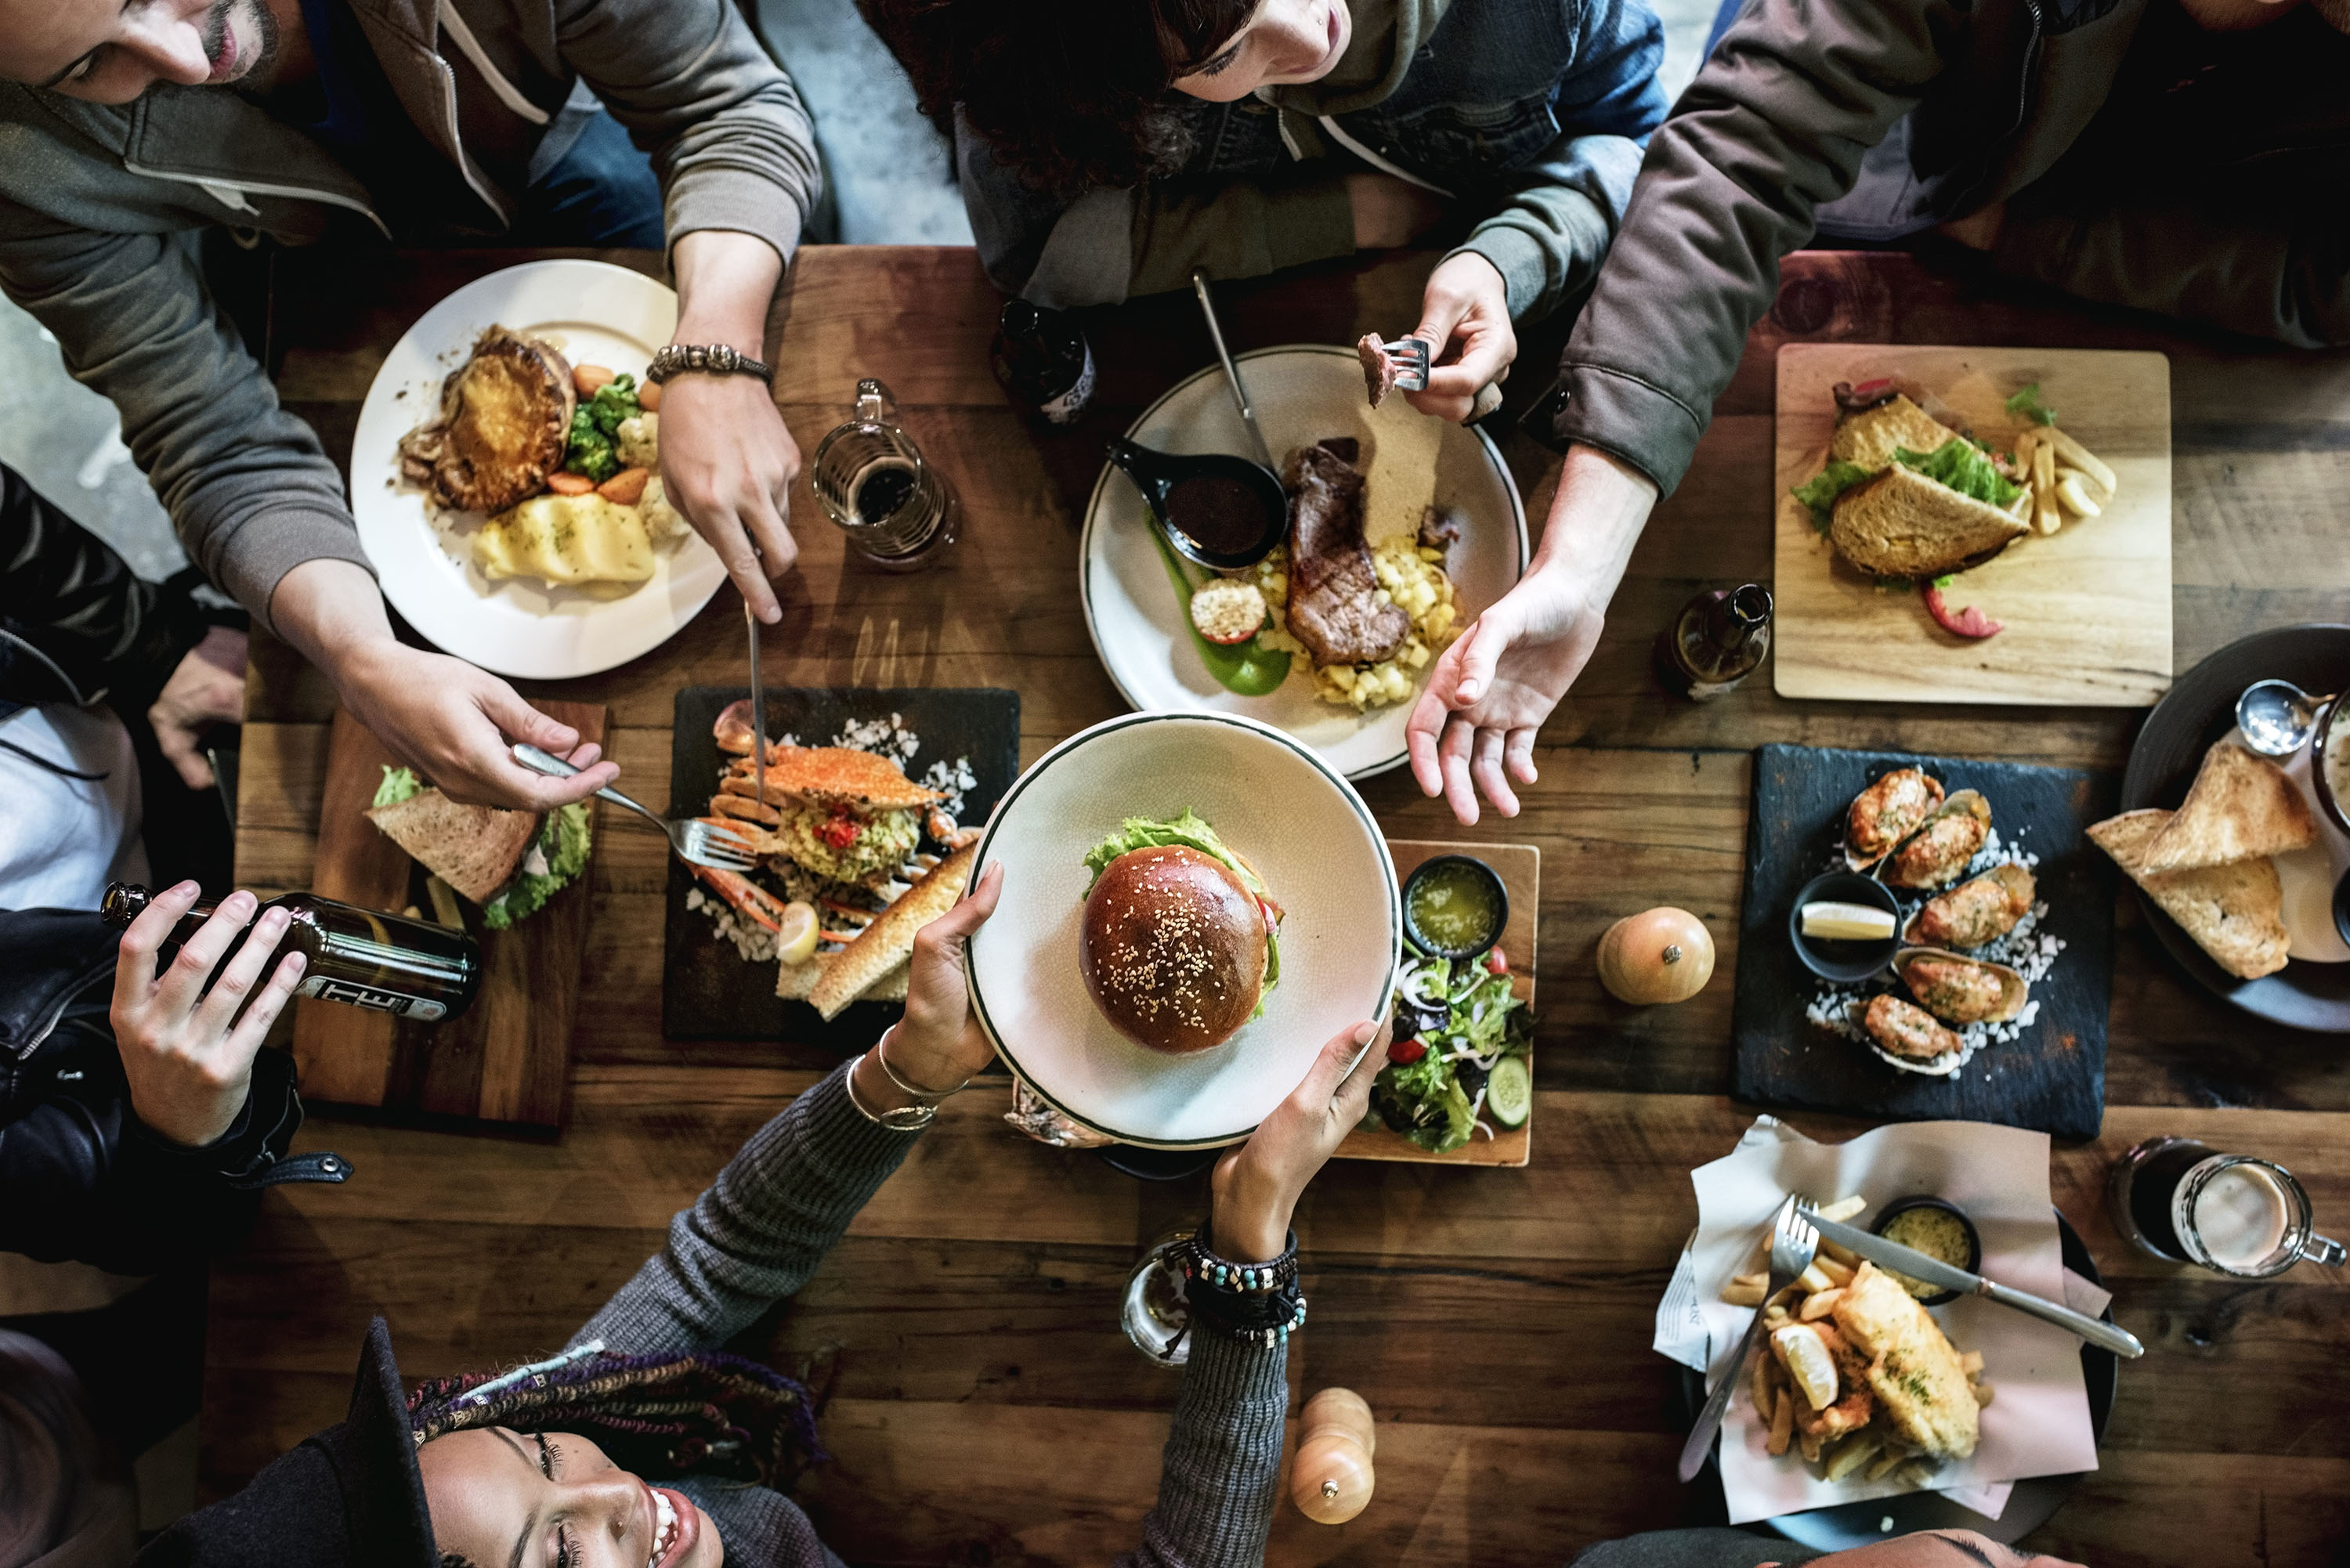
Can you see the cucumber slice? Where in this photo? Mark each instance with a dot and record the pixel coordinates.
(1510, 1091)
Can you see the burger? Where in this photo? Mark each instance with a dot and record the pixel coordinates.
(1180, 941)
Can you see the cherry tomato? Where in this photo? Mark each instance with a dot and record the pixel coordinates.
(1497, 962)
(1404, 1052)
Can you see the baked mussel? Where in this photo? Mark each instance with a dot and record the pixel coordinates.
(1974, 912)
(1911, 1038)
(1957, 989)
(1888, 812)
(1936, 853)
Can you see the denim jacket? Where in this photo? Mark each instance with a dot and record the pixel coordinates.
(1529, 114)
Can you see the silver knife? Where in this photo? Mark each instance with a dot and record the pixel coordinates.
(758, 706)
(1934, 1272)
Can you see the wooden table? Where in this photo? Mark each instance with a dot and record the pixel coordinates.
(986, 1408)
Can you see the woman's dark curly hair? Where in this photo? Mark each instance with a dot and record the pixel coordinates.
(1065, 93)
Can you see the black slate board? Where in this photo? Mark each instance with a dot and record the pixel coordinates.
(708, 992)
(2051, 1079)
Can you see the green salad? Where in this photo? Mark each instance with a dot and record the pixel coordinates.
(1461, 1050)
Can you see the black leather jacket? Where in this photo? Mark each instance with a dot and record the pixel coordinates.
(76, 623)
(80, 1176)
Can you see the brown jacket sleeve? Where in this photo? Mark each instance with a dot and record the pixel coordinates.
(1774, 125)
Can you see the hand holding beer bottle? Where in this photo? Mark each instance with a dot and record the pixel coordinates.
(188, 1051)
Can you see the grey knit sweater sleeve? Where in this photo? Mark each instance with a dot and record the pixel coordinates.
(764, 1224)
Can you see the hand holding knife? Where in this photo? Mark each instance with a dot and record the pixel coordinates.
(758, 706)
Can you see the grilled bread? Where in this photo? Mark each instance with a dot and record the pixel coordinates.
(1903, 525)
(473, 848)
(836, 775)
(1916, 1377)
(504, 421)
(887, 941)
(2240, 808)
(1868, 438)
(2235, 912)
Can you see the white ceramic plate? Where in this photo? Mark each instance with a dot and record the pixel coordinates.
(596, 314)
(1303, 393)
(1298, 822)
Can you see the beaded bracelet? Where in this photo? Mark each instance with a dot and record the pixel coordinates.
(1203, 1264)
(1260, 1302)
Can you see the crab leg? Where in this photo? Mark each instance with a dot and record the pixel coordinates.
(745, 895)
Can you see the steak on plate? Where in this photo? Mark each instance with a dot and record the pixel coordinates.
(504, 421)
(1334, 606)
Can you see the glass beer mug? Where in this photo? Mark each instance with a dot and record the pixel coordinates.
(898, 511)
(2184, 1202)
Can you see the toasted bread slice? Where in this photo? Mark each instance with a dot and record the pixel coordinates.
(834, 776)
(2240, 806)
(2233, 912)
(503, 426)
(796, 981)
(889, 941)
(473, 848)
(1915, 1374)
(1904, 524)
(1869, 438)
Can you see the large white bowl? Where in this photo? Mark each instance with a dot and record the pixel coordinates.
(1303, 393)
(598, 315)
(1298, 822)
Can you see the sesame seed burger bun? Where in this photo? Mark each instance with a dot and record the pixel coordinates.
(1173, 949)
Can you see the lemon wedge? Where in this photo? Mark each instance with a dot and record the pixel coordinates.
(1848, 922)
(1810, 1368)
(796, 943)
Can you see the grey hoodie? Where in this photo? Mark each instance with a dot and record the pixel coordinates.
(101, 210)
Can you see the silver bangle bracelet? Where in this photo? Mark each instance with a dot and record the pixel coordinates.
(931, 1097)
(903, 1118)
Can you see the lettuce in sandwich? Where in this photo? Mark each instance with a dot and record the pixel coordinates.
(507, 861)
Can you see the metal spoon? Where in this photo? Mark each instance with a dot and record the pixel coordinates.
(2277, 717)
(1231, 371)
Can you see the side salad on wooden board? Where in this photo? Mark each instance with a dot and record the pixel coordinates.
(1458, 1063)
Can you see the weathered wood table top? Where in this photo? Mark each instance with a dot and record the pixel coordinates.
(985, 1406)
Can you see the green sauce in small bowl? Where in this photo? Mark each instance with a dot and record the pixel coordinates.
(1454, 907)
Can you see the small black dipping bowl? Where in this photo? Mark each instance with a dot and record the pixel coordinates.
(1973, 1265)
(2342, 906)
(1500, 906)
(1846, 962)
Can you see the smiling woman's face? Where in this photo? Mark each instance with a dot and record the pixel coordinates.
(111, 51)
(553, 1500)
(1284, 42)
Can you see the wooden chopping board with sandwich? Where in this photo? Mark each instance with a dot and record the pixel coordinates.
(516, 880)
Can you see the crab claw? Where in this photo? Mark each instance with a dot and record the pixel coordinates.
(745, 895)
(732, 732)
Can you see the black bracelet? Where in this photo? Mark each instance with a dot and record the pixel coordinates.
(1259, 1301)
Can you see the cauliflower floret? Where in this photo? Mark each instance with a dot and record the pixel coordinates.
(662, 521)
(637, 441)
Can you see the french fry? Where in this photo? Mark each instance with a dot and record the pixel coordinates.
(1839, 1272)
(1884, 1465)
(1739, 1293)
(2061, 445)
(1917, 1472)
(2072, 492)
(1856, 1451)
(1970, 1364)
(1761, 1388)
(2045, 513)
(1844, 1208)
(1812, 1279)
(1818, 1305)
(1775, 1316)
(1838, 1252)
(2023, 445)
(1810, 1444)
(1783, 1424)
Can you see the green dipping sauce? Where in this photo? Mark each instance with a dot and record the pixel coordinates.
(1455, 907)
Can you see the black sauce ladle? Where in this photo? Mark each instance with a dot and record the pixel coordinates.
(1218, 511)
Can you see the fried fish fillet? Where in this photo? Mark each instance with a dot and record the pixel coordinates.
(836, 775)
(1914, 1373)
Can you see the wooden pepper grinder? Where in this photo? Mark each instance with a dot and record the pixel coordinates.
(1331, 1479)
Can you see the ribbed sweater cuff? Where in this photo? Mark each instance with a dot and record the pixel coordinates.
(842, 1139)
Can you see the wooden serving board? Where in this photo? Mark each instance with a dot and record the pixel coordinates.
(1520, 868)
(2086, 610)
(2050, 1079)
(507, 1058)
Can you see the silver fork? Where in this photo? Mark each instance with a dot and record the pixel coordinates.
(1409, 358)
(1793, 1244)
(697, 843)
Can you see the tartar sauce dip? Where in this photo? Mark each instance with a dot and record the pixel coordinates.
(1937, 1232)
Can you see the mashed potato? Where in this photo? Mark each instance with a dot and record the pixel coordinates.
(566, 540)
(1409, 577)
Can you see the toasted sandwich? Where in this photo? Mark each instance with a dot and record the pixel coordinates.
(1905, 495)
(509, 862)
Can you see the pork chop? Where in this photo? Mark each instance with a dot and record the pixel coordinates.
(1334, 604)
(504, 421)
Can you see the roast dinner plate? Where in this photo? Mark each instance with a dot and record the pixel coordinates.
(1277, 802)
(596, 314)
(2200, 709)
(1303, 393)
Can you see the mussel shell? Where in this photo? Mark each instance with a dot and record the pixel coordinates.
(1863, 862)
(2005, 876)
(2014, 990)
(1941, 1067)
(1965, 802)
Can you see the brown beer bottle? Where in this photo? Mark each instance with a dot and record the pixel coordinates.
(384, 963)
(1718, 640)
